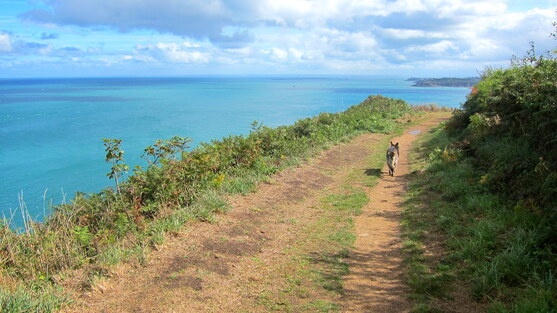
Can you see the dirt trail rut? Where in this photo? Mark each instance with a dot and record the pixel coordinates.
(376, 282)
(222, 267)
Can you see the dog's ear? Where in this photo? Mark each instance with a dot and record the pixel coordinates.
(395, 144)
(392, 143)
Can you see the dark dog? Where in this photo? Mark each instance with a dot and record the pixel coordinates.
(392, 158)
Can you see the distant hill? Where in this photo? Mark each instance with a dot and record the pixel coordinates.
(444, 82)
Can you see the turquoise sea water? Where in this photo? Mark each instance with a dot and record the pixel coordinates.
(51, 129)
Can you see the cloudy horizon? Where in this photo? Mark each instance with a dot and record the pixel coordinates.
(68, 38)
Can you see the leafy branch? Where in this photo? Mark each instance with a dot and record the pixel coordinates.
(163, 149)
(115, 156)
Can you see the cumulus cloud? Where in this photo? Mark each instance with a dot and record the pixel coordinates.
(197, 19)
(214, 19)
(11, 45)
(336, 34)
(172, 52)
(404, 34)
(436, 48)
(5, 43)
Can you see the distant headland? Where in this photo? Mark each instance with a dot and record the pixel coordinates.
(444, 82)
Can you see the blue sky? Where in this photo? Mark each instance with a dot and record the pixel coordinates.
(56, 38)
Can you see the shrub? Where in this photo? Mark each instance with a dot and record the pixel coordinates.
(494, 169)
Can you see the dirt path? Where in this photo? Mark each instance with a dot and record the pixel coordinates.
(376, 282)
(233, 264)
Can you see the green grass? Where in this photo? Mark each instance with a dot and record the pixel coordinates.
(321, 306)
(491, 249)
(350, 202)
(35, 298)
(102, 229)
(320, 263)
(313, 279)
(429, 276)
(332, 269)
(339, 234)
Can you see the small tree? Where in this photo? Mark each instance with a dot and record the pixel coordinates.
(115, 155)
(162, 149)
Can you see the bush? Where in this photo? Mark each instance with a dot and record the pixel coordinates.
(495, 170)
(510, 120)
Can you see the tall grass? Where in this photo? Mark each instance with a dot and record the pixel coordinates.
(37, 299)
(489, 188)
(97, 230)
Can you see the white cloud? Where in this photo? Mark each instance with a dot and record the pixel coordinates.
(240, 52)
(411, 33)
(278, 54)
(197, 19)
(296, 54)
(344, 41)
(484, 49)
(342, 35)
(173, 53)
(499, 37)
(137, 58)
(5, 43)
(439, 47)
(188, 44)
(10, 44)
(459, 8)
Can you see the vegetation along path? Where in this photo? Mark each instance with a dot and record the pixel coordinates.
(376, 279)
(284, 247)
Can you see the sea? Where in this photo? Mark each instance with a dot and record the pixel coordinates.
(51, 130)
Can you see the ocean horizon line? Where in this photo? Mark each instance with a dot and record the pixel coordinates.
(52, 127)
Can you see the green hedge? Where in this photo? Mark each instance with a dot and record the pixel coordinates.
(496, 170)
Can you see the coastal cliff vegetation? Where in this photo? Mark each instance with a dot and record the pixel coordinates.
(445, 82)
(80, 240)
(488, 185)
(485, 189)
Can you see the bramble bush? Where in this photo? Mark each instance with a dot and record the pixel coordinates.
(510, 121)
(495, 167)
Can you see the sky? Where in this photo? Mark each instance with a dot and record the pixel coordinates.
(426, 38)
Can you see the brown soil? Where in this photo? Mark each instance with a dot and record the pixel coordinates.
(224, 266)
(376, 281)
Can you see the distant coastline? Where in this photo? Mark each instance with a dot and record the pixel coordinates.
(444, 82)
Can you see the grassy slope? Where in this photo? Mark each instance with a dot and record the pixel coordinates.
(96, 231)
(480, 216)
(313, 280)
